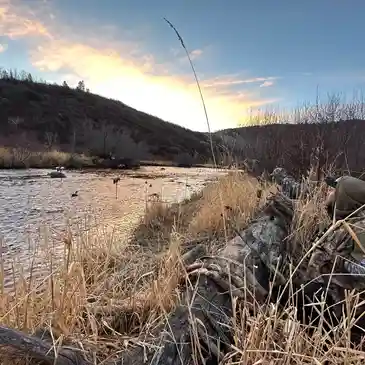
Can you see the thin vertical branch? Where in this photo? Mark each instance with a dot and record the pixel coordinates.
(199, 88)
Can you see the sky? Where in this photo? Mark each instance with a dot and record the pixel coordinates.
(249, 55)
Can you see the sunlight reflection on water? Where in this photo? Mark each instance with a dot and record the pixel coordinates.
(35, 208)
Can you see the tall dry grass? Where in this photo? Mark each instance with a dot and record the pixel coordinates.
(111, 295)
(23, 158)
(229, 204)
(310, 217)
(100, 292)
(210, 216)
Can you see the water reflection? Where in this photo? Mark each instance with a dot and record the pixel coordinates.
(35, 208)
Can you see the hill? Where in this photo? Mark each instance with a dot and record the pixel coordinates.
(337, 145)
(41, 116)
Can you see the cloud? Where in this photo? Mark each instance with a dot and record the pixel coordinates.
(17, 21)
(196, 54)
(114, 64)
(267, 83)
(3, 47)
(136, 82)
(179, 56)
(232, 80)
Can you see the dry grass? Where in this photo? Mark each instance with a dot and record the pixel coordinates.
(211, 216)
(16, 157)
(111, 295)
(101, 293)
(23, 158)
(310, 218)
(235, 197)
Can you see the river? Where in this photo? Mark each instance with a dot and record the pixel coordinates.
(35, 208)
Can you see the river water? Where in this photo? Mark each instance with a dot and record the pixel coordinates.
(35, 208)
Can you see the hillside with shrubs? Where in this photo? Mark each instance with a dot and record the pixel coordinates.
(41, 117)
(333, 131)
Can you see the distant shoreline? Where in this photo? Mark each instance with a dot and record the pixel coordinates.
(21, 159)
(96, 167)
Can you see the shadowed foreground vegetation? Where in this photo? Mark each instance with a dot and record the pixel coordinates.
(111, 296)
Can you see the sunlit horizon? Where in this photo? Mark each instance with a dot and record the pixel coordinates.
(133, 56)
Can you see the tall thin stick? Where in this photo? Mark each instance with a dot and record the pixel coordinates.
(206, 118)
(199, 88)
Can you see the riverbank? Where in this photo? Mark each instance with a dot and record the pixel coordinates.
(19, 158)
(139, 276)
(37, 208)
(111, 295)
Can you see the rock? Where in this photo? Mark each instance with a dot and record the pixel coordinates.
(57, 174)
(120, 163)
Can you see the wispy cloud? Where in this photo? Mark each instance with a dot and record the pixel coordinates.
(124, 70)
(196, 54)
(232, 80)
(173, 98)
(180, 58)
(267, 83)
(17, 20)
(3, 47)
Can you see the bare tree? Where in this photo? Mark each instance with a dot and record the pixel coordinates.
(50, 139)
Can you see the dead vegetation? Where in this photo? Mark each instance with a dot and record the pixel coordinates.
(24, 158)
(111, 296)
(212, 215)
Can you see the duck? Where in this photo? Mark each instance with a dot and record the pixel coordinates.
(154, 196)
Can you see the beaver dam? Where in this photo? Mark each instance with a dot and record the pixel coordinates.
(211, 280)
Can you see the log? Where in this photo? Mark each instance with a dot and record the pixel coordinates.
(21, 346)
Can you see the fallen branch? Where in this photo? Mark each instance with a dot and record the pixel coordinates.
(21, 346)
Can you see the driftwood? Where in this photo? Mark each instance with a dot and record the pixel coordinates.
(21, 346)
(200, 327)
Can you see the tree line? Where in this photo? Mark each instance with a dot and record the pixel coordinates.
(14, 74)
